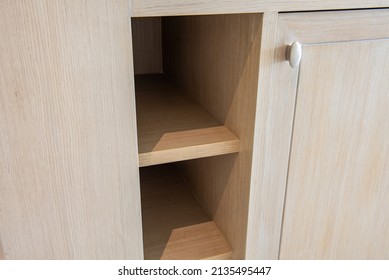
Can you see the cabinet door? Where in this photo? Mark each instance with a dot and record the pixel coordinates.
(337, 190)
(69, 186)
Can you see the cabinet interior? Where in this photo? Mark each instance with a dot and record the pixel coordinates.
(196, 84)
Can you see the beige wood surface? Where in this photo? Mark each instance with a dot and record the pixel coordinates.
(337, 202)
(195, 7)
(201, 56)
(68, 171)
(340, 26)
(273, 128)
(202, 242)
(147, 45)
(275, 111)
(173, 128)
(175, 226)
(1, 252)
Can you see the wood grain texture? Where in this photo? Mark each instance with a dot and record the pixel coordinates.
(147, 45)
(69, 182)
(321, 27)
(201, 56)
(197, 7)
(273, 128)
(173, 128)
(175, 225)
(1, 252)
(201, 242)
(337, 203)
(275, 111)
(192, 144)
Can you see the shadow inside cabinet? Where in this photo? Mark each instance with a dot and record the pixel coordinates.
(196, 80)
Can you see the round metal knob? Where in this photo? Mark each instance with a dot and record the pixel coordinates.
(293, 54)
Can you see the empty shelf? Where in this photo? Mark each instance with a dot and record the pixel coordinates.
(172, 128)
(174, 224)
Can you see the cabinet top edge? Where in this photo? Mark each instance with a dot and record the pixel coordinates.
(149, 8)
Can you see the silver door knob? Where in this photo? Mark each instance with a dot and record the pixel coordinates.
(293, 54)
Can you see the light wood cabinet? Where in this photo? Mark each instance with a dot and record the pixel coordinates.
(332, 201)
(178, 130)
(69, 181)
(196, 114)
(337, 191)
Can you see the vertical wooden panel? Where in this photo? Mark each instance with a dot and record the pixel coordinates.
(273, 129)
(1, 252)
(69, 186)
(147, 45)
(215, 59)
(337, 203)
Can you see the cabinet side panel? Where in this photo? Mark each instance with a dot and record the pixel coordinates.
(69, 186)
(273, 128)
(215, 58)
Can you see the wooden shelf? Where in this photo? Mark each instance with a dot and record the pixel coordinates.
(174, 224)
(172, 128)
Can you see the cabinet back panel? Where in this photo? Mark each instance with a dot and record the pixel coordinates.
(147, 45)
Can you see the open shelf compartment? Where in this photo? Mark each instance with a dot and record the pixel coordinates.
(173, 128)
(196, 84)
(175, 226)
